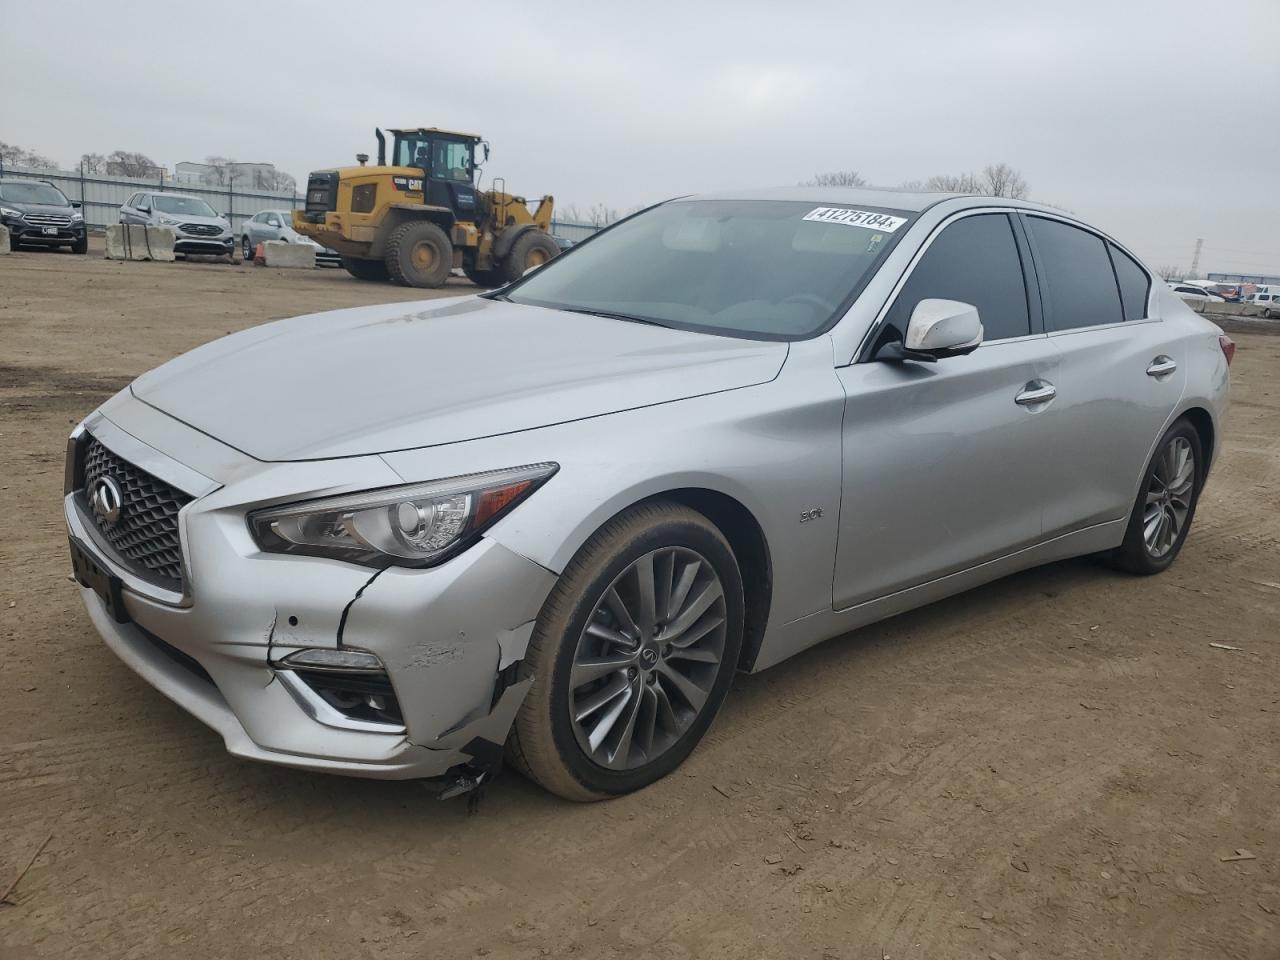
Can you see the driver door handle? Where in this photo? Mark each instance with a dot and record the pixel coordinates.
(1037, 391)
(1162, 366)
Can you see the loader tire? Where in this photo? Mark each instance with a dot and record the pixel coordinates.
(419, 254)
(360, 269)
(532, 248)
(483, 278)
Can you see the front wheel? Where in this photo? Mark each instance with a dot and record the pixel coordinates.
(419, 254)
(1266, 313)
(1166, 503)
(246, 249)
(632, 655)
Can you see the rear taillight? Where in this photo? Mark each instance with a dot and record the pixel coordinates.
(1228, 347)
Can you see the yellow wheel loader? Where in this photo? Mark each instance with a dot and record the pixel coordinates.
(414, 219)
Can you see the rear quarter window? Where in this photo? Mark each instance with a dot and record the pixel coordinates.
(1135, 285)
(1077, 282)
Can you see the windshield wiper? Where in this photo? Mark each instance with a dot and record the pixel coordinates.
(632, 318)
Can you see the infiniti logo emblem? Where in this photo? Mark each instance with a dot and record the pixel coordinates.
(107, 500)
(649, 655)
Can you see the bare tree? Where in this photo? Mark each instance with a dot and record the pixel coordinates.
(219, 173)
(275, 180)
(953, 183)
(93, 163)
(130, 163)
(837, 178)
(13, 155)
(1168, 272)
(1001, 180)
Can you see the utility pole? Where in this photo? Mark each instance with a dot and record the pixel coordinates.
(1195, 260)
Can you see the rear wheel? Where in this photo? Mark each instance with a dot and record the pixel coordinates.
(365, 269)
(1266, 313)
(1166, 503)
(419, 254)
(632, 655)
(532, 249)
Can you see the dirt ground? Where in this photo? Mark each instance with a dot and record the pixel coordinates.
(1057, 765)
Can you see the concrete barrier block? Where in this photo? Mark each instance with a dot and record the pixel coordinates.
(4, 240)
(134, 241)
(277, 253)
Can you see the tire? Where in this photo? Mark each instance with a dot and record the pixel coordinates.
(531, 249)
(547, 743)
(483, 278)
(365, 269)
(81, 246)
(419, 254)
(1266, 313)
(1137, 554)
(246, 249)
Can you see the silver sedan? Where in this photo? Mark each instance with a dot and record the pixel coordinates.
(278, 225)
(549, 523)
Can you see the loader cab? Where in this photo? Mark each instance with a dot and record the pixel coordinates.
(448, 163)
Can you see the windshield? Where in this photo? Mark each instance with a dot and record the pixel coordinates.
(444, 159)
(767, 269)
(182, 206)
(32, 193)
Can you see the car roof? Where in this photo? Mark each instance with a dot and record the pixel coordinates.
(914, 201)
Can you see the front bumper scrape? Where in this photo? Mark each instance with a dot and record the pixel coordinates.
(452, 639)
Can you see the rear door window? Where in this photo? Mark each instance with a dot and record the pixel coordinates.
(1077, 282)
(974, 260)
(1134, 283)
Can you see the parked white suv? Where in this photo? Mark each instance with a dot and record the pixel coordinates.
(1188, 291)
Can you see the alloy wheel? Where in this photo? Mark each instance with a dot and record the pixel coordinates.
(1169, 496)
(648, 658)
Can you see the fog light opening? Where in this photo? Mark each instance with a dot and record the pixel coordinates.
(366, 695)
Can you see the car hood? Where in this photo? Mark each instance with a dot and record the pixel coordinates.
(184, 218)
(44, 209)
(398, 376)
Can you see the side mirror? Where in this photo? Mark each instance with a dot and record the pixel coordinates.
(937, 329)
(75, 204)
(144, 209)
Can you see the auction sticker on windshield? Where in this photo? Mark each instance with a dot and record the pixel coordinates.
(856, 218)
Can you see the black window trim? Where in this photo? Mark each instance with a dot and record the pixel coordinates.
(1106, 240)
(863, 353)
(1112, 246)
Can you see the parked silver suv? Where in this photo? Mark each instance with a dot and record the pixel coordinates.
(197, 226)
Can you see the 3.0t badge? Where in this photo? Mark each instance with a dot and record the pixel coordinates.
(107, 500)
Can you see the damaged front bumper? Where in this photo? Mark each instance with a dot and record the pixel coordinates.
(450, 637)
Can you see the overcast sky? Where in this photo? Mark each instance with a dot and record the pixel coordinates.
(1159, 122)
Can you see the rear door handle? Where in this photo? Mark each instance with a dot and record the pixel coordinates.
(1036, 392)
(1162, 366)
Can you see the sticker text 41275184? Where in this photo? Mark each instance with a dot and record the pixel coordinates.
(856, 218)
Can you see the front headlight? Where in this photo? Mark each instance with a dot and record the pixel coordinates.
(167, 221)
(77, 217)
(411, 526)
(10, 212)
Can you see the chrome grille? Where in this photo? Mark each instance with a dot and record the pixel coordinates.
(47, 220)
(201, 229)
(145, 538)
